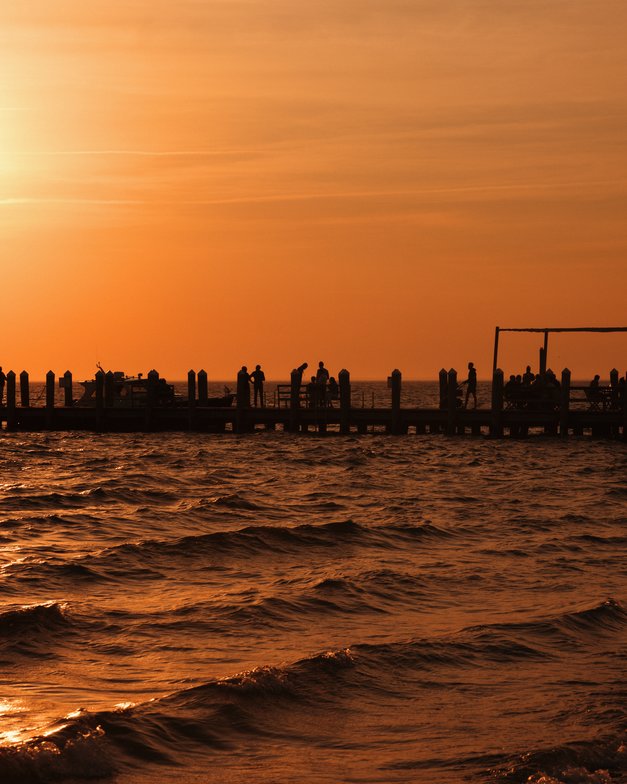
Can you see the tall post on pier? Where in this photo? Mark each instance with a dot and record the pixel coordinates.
(614, 380)
(564, 402)
(451, 420)
(50, 395)
(203, 394)
(11, 401)
(396, 380)
(109, 389)
(67, 389)
(191, 397)
(344, 380)
(542, 363)
(242, 401)
(622, 396)
(152, 389)
(100, 384)
(24, 389)
(496, 423)
(295, 382)
(443, 389)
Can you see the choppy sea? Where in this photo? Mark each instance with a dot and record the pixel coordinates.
(293, 608)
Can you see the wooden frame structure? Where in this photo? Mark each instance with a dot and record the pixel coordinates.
(545, 330)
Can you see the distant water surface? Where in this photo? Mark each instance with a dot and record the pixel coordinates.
(282, 608)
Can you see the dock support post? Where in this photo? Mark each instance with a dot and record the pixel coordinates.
(564, 402)
(152, 385)
(451, 419)
(191, 397)
(344, 380)
(203, 394)
(496, 425)
(295, 381)
(395, 426)
(623, 399)
(50, 395)
(108, 389)
(24, 390)
(67, 389)
(100, 382)
(11, 401)
(443, 389)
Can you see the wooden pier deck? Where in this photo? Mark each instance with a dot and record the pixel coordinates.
(556, 417)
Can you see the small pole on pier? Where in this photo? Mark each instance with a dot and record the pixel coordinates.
(564, 402)
(100, 382)
(203, 394)
(24, 390)
(452, 402)
(67, 388)
(50, 395)
(108, 389)
(443, 389)
(11, 401)
(396, 380)
(191, 396)
(622, 390)
(344, 380)
(496, 424)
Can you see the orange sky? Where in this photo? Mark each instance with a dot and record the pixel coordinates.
(206, 183)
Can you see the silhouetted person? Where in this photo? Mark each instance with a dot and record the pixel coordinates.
(334, 390)
(3, 380)
(528, 376)
(471, 385)
(595, 383)
(312, 392)
(258, 377)
(322, 377)
(300, 370)
(243, 387)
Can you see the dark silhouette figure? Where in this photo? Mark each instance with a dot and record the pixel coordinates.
(258, 377)
(243, 387)
(334, 391)
(322, 377)
(471, 385)
(312, 392)
(528, 376)
(3, 380)
(300, 370)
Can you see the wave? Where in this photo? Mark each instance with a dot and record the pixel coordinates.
(152, 558)
(29, 630)
(599, 761)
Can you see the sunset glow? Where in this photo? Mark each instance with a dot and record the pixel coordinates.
(379, 185)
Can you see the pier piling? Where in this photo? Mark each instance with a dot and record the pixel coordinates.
(451, 419)
(24, 390)
(344, 381)
(203, 394)
(50, 396)
(67, 389)
(11, 400)
(396, 380)
(496, 423)
(564, 402)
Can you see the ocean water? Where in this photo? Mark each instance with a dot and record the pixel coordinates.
(284, 608)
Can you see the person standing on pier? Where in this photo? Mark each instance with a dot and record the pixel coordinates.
(258, 377)
(322, 378)
(471, 385)
(3, 379)
(243, 387)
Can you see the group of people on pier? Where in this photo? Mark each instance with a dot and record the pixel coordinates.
(320, 392)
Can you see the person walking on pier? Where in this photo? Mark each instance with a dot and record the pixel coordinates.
(258, 377)
(3, 379)
(471, 385)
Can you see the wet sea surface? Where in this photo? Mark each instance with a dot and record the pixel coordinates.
(281, 608)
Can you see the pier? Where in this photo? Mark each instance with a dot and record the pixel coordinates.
(568, 410)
